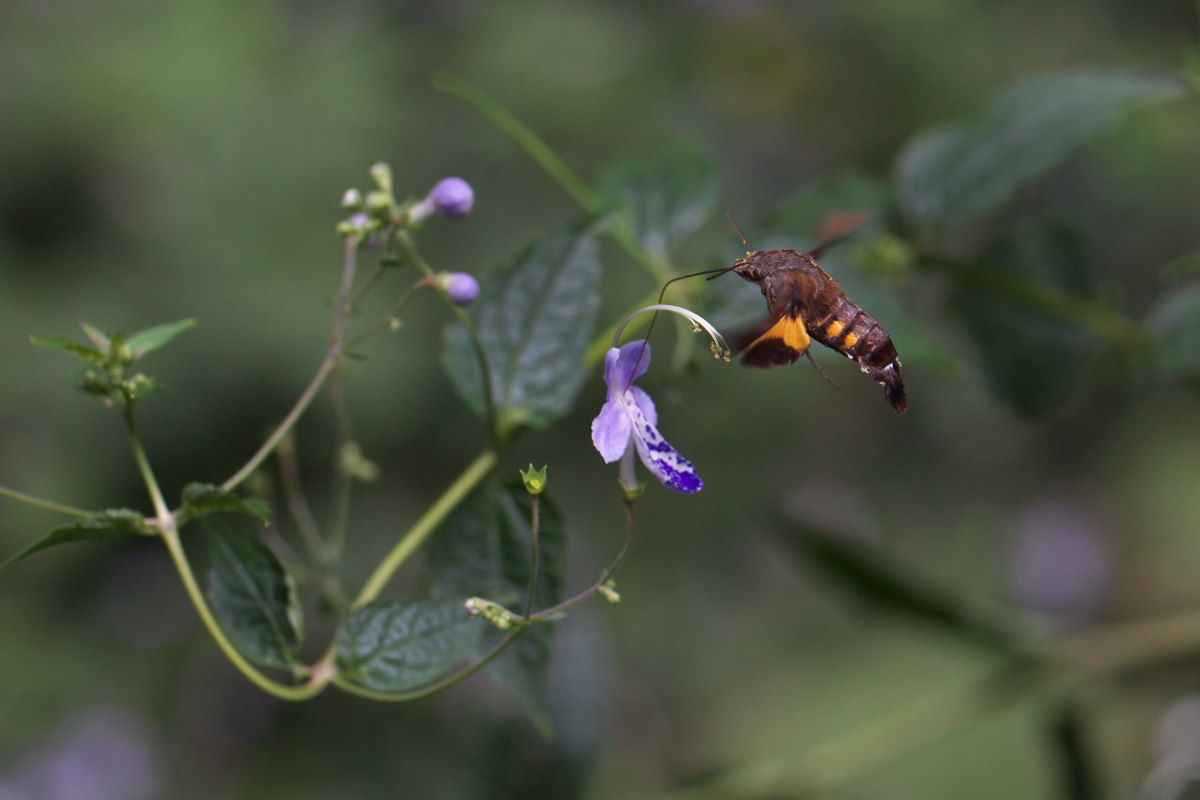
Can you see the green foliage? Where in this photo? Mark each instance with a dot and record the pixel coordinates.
(1033, 357)
(100, 525)
(396, 646)
(533, 320)
(1020, 287)
(665, 195)
(484, 549)
(252, 595)
(106, 362)
(200, 499)
(1175, 323)
(953, 175)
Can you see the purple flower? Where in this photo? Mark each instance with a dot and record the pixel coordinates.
(453, 198)
(461, 288)
(628, 421)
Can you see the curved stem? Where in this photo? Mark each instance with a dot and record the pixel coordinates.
(49, 505)
(416, 535)
(552, 611)
(587, 197)
(340, 317)
(410, 250)
(168, 529)
(315, 685)
(314, 386)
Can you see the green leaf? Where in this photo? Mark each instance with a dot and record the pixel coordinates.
(483, 549)
(88, 354)
(955, 174)
(878, 580)
(1030, 356)
(151, 339)
(534, 318)
(1175, 323)
(98, 337)
(200, 499)
(252, 596)
(400, 645)
(101, 525)
(664, 195)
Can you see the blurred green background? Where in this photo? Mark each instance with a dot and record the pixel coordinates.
(161, 161)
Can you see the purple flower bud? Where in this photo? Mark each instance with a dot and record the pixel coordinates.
(453, 198)
(460, 287)
(352, 199)
(359, 221)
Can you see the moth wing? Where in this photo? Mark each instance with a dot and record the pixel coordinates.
(836, 227)
(785, 337)
(781, 344)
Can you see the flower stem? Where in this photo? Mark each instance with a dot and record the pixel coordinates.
(49, 505)
(168, 529)
(552, 611)
(410, 250)
(314, 386)
(332, 357)
(533, 553)
(416, 535)
(161, 511)
(587, 197)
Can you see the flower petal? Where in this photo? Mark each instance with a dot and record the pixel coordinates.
(624, 366)
(611, 431)
(664, 461)
(644, 404)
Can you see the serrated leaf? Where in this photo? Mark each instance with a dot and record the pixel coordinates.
(400, 645)
(88, 354)
(665, 195)
(483, 550)
(252, 596)
(955, 174)
(101, 525)
(1029, 356)
(200, 499)
(535, 319)
(151, 339)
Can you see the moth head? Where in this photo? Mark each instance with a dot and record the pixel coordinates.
(749, 269)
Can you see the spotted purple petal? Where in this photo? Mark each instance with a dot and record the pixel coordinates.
(644, 404)
(664, 461)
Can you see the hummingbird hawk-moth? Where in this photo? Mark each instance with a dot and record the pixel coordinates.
(806, 303)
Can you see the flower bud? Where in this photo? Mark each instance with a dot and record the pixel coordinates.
(453, 198)
(461, 288)
(352, 199)
(382, 174)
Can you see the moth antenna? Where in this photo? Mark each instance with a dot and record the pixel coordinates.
(741, 234)
(828, 379)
